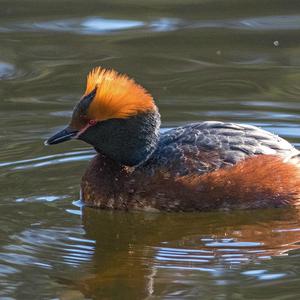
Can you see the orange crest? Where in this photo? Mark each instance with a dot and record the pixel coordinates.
(117, 96)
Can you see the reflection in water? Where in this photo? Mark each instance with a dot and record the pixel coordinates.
(157, 254)
(43, 251)
(98, 25)
(6, 70)
(49, 160)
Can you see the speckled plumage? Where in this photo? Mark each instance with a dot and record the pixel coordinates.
(197, 167)
(208, 146)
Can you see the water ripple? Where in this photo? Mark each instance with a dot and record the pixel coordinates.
(7, 71)
(287, 22)
(99, 25)
(48, 160)
(247, 246)
(92, 25)
(47, 247)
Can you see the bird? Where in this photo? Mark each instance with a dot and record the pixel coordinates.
(202, 166)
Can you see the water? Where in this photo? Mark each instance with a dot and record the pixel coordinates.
(202, 60)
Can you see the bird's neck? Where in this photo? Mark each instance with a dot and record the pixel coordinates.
(129, 141)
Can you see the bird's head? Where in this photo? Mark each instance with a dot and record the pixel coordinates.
(115, 115)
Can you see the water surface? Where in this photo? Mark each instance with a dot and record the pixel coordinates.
(202, 60)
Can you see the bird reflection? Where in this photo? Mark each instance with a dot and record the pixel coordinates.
(138, 255)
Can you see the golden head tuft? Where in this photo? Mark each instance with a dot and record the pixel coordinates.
(117, 95)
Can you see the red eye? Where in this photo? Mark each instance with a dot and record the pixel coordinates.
(92, 122)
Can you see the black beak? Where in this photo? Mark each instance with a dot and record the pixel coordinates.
(62, 136)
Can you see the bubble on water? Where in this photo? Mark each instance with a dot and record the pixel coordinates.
(276, 43)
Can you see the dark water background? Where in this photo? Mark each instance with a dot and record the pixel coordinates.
(233, 60)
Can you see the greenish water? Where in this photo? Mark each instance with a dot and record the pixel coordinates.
(202, 60)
